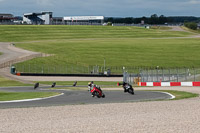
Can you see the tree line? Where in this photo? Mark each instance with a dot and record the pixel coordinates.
(154, 19)
(191, 25)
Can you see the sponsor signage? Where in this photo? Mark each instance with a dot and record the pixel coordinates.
(74, 18)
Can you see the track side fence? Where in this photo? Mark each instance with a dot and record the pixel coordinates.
(163, 75)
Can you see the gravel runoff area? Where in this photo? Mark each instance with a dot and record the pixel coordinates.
(177, 116)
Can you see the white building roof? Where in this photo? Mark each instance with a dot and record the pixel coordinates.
(35, 13)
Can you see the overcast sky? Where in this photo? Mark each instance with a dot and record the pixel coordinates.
(107, 8)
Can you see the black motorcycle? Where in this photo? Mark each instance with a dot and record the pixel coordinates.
(127, 87)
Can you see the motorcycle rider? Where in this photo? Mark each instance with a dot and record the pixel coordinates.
(124, 84)
(90, 86)
(127, 87)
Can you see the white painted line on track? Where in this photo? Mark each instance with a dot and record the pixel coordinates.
(56, 89)
(172, 96)
(26, 100)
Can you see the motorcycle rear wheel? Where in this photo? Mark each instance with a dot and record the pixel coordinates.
(98, 95)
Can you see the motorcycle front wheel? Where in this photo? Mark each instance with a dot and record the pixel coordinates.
(131, 91)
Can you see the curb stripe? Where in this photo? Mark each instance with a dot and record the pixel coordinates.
(156, 83)
(169, 83)
(196, 83)
(165, 83)
(175, 83)
(149, 83)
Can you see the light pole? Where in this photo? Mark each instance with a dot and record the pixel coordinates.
(157, 72)
(104, 64)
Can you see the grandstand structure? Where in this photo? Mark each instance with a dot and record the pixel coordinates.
(6, 18)
(38, 18)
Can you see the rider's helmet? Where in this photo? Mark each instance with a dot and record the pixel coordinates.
(89, 83)
(124, 83)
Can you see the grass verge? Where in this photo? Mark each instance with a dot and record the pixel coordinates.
(100, 83)
(70, 88)
(4, 82)
(161, 27)
(180, 94)
(8, 96)
(190, 30)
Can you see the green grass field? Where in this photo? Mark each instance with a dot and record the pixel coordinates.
(12, 33)
(86, 46)
(120, 52)
(8, 96)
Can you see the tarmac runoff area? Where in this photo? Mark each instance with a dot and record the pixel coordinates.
(69, 97)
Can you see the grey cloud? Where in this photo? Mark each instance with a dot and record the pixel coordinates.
(103, 7)
(194, 2)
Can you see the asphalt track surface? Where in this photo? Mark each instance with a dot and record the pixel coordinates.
(71, 97)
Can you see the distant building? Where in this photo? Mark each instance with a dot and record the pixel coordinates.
(198, 26)
(57, 21)
(18, 20)
(38, 18)
(6, 18)
(142, 22)
(88, 19)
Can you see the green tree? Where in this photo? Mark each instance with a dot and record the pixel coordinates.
(154, 19)
(162, 19)
(191, 25)
(109, 24)
(128, 20)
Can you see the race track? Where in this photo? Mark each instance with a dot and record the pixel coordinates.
(80, 97)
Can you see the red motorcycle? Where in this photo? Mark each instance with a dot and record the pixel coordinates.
(96, 91)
